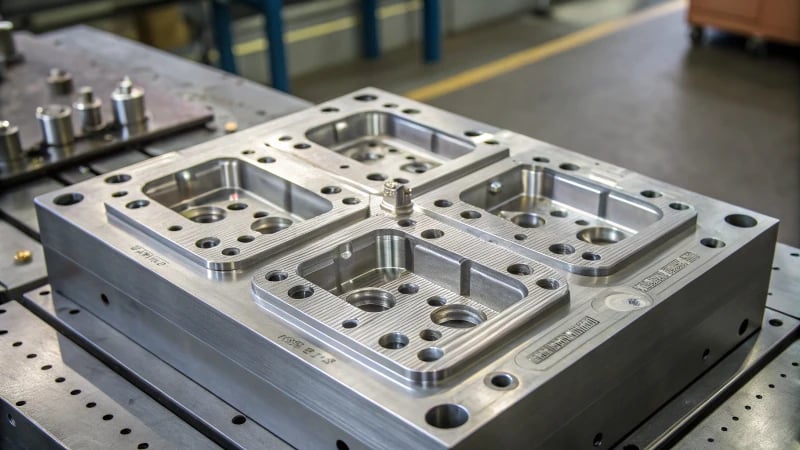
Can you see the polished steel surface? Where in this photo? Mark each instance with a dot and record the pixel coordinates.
(59, 138)
(62, 397)
(421, 330)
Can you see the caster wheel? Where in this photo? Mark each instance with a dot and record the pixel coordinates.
(697, 34)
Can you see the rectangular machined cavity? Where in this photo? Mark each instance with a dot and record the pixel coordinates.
(221, 211)
(372, 136)
(562, 214)
(207, 192)
(421, 300)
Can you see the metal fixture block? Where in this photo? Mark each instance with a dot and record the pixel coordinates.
(434, 325)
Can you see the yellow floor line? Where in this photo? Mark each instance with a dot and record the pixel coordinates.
(325, 28)
(529, 56)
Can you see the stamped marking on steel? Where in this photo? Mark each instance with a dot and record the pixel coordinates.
(148, 255)
(300, 347)
(666, 271)
(562, 340)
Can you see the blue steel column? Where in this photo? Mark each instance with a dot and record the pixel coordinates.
(432, 33)
(223, 40)
(277, 53)
(369, 29)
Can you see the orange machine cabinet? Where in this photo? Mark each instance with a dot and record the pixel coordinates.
(777, 20)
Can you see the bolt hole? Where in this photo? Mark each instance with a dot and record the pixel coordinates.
(119, 178)
(125, 431)
(520, 237)
(776, 322)
(443, 203)
(301, 292)
(430, 354)
(678, 206)
(143, 446)
(473, 133)
(541, 159)
(411, 111)
(330, 109)
(650, 194)
(548, 283)
(712, 243)
(175, 228)
(328, 190)
(74, 311)
(471, 215)
(302, 146)
(432, 234)
(589, 256)
(350, 323)
(377, 177)
(562, 249)
(366, 97)
(741, 220)
(406, 223)
(30, 355)
(104, 299)
(430, 335)
(68, 199)
(119, 194)
(60, 379)
(46, 367)
(91, 405)
(75, 392)
(393, 341)
(21, 403)
(245, 239)
(569, 166)
(558, 213)
(238, 419)
(266, 160)
(232, 251)
(260, 214)
(408, 288)
(503, 380)
(447, 416)
(437, 301)
(458, 316)
(519, 269)
(108, 417)
(237, 206)
(351, 201)
(208, 242)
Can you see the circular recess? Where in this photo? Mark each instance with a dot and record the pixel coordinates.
(501, 380)
(238, 206)
(371, 299)
(68, 199)
(473, 133)
(246, 238)
(430, 335)
(650, 194)
(136, 204)
(443, 203)
(302, 146)
(301, 292)
(741, 220)
(520, 269)
(527, 220)
(457, 316)
(260, 214)
(377, 177)
(437, 300)
(581, 222)
(408, 288)
(520, 237)
(712, 243)
(430, 354)
(590, 256)
(601, 235)
(118, 178)
(350, 323)
(678, 206)
(207, 242)
(329, 109)
(205, 214)
(447, 416)
(558, 213)
(328, 190)
(174, 228)
(432, 234)
(541, 159)
(562, 249)
(119, 194)
(548, 283)
(232, 251)
(270, 225)
(411, 111)
(365, 97)
(351, 201)
(471, 215)
(276, 275)
(406, 223)
(393, 341)
(569, 166)
(266, 160)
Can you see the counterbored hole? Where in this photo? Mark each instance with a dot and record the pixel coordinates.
(406, 223)
(377, 177)
(301, 292)
(430, 335)
(207, 242)
(651, 194)
(741, 220)
(569, 166)
(558, 213)
(270, 225)
(589, 256)
(371, 299)
(118, 178)
(471, 215)
(232, 251)
(365, 97)
(437, 300)
(136, 204)
(238, 206)
(503, 380)
(207, 214)
(457, 316)
(712, 243)
(581, 222)
(277, 275)
(393, 341)
(430, 354)
(245, 239)
(601, 235)
(260, 214)
(520, 269)
(548, 283)
(527, 220)
(408, 288)
(432, 234)
(447, 416)
(350, 323)
(443, 203)
(562, 249)
(678, 206)
(68, 199)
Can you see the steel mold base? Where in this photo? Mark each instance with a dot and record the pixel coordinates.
(637, 332)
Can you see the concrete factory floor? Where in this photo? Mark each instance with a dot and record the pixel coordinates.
(714, 119)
